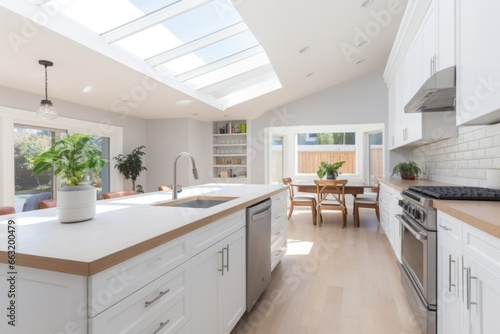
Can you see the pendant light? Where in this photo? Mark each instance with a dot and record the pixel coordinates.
(46, 110)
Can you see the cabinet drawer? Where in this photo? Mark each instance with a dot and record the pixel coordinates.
(482, 246)
(169, 302)
(449, 227)
(278, 229)
(279, 201)
(108, 287)
(278, 250)
(208, 235)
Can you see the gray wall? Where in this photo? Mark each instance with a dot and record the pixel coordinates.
(359, 101)
(134, 129)
(165, 139)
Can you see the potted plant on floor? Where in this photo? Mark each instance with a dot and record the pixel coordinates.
(407, 170)
(331, 170)
(72, 157)
(131, 165)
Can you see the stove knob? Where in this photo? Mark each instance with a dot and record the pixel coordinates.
(417, 215)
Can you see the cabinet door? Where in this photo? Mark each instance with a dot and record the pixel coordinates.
(449, 279)
(445, 34)
(218, 285)
(428, 30)
(482, 299)
(232, 282)
(205, 290)
(478, 73)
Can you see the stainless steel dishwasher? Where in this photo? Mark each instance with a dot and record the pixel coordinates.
(258, 250)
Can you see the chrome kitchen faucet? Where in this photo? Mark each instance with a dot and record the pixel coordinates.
(195, 172)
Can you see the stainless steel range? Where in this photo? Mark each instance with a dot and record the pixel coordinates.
(419, 244)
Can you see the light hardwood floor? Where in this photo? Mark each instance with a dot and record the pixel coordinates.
(333, 280)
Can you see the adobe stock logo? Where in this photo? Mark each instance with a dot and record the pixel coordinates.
(371, 30)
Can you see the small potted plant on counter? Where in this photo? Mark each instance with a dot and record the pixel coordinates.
(331, 170)
(407, 170)
(73, 157)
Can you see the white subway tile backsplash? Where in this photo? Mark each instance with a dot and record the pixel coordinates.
(462, 160)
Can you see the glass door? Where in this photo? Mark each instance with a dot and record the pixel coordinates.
(277, 160)
(375, 157)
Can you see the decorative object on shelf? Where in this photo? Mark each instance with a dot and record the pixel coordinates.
(237, 161)
(131, 165)
(243, 128)
(46, 111)
(229, 161)
(407, 170)
(73, 157)
(331, 170)
(220, 161)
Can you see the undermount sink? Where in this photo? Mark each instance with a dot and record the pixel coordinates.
(197, 202)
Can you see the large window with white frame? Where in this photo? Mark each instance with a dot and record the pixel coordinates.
(23, 135)
(309, 145)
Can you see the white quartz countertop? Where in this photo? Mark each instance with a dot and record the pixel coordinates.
(122, 228)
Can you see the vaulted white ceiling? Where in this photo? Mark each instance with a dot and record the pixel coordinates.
(340, 40)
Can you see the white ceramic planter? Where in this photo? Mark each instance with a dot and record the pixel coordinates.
(76, 203)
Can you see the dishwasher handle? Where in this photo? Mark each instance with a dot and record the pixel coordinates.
(261, 215)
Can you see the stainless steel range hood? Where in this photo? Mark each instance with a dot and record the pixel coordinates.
(437, 94)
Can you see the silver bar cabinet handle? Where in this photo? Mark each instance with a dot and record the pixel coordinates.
(162, 324)
(162, 293)
(449, 273)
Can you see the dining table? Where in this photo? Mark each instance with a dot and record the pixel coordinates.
(351, 188)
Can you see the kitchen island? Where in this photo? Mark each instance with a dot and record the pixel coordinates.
(131, 268)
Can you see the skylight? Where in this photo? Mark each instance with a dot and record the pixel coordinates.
(204, 44)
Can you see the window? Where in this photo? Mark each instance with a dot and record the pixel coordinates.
(312, 148)
(359, 145)
(30, 189)
(25, 136)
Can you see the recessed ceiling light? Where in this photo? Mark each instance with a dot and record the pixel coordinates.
(310, 74)
(360, 61)
(304, 49)
(88, 89)
(183, 102)
(366, 3)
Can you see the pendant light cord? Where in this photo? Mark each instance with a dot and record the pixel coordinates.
(46, 82)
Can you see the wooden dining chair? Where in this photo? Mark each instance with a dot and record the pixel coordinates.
(7, 210)
(331, 196)
(115, 194)
(368, 202)
(304, 200)
(48, 203)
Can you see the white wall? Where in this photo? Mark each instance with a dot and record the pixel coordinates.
(462, 160)
(165, 139)
(134, 129)
(359, 101)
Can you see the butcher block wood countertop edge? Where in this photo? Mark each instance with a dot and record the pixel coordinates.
(66, 264)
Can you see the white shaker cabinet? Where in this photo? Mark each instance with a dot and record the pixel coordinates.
(45, 301)
(279, 228)
(449, 264)
(468, 290)
(389, 208)
(218, 286)
(478, 52)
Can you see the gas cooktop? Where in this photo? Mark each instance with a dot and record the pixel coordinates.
(457, 193)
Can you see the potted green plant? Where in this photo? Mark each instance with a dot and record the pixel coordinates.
(407, 170)
(131, 165)
(331, 170)
(72, 157)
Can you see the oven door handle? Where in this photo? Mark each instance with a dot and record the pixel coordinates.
(410, 227)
